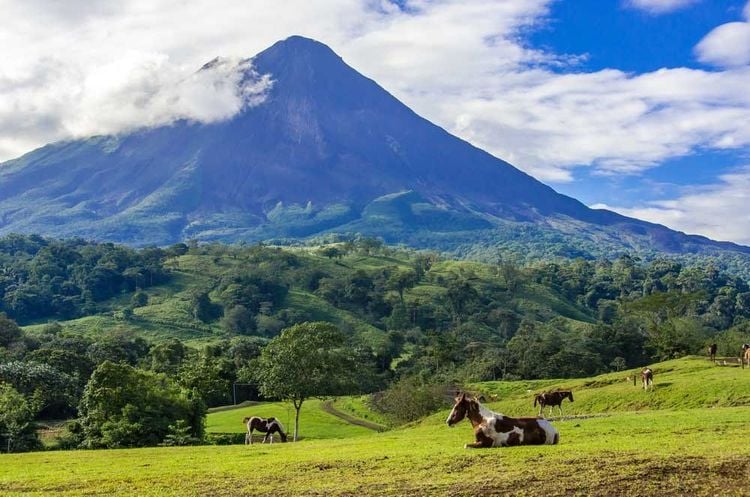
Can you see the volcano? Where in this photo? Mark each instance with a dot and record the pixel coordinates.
(325, 150)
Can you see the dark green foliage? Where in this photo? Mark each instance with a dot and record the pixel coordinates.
(126, 407)
(139, 299)
(54, 392)
(9, 331)
(202, 307)
(40, 277)
(239, 321)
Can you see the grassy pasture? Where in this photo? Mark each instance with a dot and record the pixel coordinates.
(682, 383)
(315, 423)
(690, 452)
(687, 437)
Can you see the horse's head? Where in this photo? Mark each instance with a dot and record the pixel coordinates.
(282, 435)
(464, 405)
(459, 410)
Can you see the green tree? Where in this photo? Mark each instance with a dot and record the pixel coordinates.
(401, 280)
(239, 320)
(127, 407)
(307, 360)
(17, 429)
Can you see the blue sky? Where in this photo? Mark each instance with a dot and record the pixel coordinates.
(617, 35)
(641, 106)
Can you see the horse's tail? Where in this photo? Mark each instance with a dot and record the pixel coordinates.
(538, 398)
(246, 419)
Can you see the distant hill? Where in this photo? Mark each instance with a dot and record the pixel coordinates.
(327, 151)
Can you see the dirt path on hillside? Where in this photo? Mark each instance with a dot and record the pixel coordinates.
(327, 406)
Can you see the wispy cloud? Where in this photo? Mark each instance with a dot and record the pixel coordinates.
(659, 6)
(718, 211)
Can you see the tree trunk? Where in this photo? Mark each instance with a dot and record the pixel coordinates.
(297, 407)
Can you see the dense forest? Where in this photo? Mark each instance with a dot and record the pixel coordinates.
(407, 317)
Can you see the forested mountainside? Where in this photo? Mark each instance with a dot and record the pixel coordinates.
(210, 309)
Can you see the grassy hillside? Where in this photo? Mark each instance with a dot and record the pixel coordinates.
(168, 313)
(682, 383)
(665, 447)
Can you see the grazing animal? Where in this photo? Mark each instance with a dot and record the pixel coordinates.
(647, 378)
(268, 426)
(712, 351)
(492, 429)
(552, 399)
(745, 357)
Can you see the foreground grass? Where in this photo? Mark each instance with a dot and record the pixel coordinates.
(690, 452)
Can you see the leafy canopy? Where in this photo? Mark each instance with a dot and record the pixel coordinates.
(306, 360)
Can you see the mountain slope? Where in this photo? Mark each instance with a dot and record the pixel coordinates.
(326, 150)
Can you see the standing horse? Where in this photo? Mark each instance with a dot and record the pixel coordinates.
(492, 429)
(745, 356)
(552, 399)
(647, 378)
(712, 351)
(268, 426)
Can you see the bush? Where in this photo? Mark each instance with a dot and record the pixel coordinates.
(409, 400)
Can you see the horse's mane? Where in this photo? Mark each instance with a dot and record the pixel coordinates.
(281, 427)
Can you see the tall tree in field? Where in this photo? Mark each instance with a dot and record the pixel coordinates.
(307, 360)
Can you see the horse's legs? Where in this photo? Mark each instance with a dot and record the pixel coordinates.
(271, 435)
(249, 437)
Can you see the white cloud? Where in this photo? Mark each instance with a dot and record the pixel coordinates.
(660, 6)
(75, 71)
(718, 211)
(727, 45)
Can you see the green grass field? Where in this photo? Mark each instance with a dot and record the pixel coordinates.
(314, 422)
(687, 437)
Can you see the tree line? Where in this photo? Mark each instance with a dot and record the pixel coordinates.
(439, 322)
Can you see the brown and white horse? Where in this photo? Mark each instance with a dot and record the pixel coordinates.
(268, 426)
(552, 399)
(745, 357)
(647, 378)
(492, 429)
(712, 351)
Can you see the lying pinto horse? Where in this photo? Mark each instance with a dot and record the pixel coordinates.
(268, 426)
(647, 378)
(552, 399)
(492, 429)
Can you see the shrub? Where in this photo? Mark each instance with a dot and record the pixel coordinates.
(409, 399)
